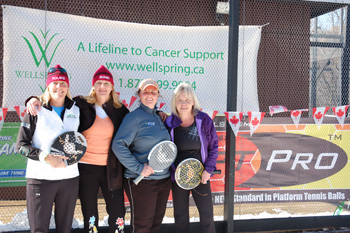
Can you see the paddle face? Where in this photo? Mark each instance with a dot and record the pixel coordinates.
(161, 156)
(188, 174)
(70, 144)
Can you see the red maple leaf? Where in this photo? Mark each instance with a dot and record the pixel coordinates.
(340, 113)
(0, 118)
(24, 112)
(296, 113)
(234, 120)
(319, 115)
(124, 102)
(255, 122)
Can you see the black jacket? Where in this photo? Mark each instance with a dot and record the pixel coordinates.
(87, 118)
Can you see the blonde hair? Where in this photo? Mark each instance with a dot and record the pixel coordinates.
(186, 89)
(92, 99)
(45, 97)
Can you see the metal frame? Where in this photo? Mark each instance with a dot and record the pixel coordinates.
(255, 225)
(346, 63)
(231, 106)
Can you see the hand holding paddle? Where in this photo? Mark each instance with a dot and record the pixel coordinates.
(56, 161)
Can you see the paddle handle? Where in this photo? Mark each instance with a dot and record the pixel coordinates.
(138, 179)
(216, 172)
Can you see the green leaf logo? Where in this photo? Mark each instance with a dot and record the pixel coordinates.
(41, 88)
(42, 50)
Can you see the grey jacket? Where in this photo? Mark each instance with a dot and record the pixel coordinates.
(138, 133)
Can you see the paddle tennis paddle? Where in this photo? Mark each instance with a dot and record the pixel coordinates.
(70, 144)
(161, 156)
(188, 174)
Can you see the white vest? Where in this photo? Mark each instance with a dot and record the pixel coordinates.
(49, 126)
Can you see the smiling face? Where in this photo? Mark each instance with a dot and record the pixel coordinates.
(184, 104)
(149, 96)
(58, 91)
(103, 90)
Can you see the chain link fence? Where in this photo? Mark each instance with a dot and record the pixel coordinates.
(291, 53)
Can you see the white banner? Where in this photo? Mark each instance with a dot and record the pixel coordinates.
(36, 40)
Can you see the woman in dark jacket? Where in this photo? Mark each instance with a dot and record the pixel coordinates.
(139, 132)
(195, 136)
(101, 115)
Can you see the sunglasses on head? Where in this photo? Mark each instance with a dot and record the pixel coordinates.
(52, 70)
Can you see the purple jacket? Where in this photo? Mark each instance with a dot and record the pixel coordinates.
(207, 134)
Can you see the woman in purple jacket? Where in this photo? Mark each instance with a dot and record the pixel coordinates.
(195, 136)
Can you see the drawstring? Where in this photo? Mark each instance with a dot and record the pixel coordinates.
(203, 195)
(131, 205)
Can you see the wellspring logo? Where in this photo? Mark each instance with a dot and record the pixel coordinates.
(47, 43)
(43, 48)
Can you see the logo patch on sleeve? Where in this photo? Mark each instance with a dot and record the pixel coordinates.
(25, 125)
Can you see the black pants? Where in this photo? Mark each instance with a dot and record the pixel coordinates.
(148, 202)
(41, 194)
(203, 199)
(93, 177)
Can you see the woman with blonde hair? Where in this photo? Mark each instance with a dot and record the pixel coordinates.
(49, 180)
(100, 118)
(195, 136)
(101, 115)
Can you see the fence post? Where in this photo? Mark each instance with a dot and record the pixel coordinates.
(345, 63)
(231, 106)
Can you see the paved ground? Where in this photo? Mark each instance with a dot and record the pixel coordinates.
(315, 231)
(323, 230)
(10, 210)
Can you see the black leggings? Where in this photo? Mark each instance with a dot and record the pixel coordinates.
(203, 198)
(92, 177)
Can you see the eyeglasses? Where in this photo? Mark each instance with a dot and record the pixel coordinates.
(149, 92)
(52, 70)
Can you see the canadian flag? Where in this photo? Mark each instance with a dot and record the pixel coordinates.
(3, 112)
(340, 113)
(318, 115)
(234, 119)
(277, 109)
(211, 113)
(21, 111)
(296, 114)
(127, 99)
(255, 119)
